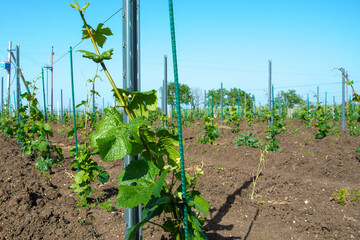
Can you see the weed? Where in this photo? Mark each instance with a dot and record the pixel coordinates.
(309, 154)
(247, 140)
(261, 166)
(343, 196)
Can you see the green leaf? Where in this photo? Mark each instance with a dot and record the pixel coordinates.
(154, 207)
(71, 133)
(113, 138)
(107, 55)
(83, 102)
(358, 150)
(99, 34)
(140, 103)
(96, 58)
(47, 127)
(143, 173)
(138, 169)
(167, 144)
(196, 227)
(133, 230)
(200, 204)
(103, 177)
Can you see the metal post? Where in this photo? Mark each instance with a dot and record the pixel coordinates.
(238, 112)
(343, 100)
(52, 78)
(317, 96)
(62, 107)
(269, 91)
(131, 82)
(8, 79)
(221, 121)
(42, 77)
(254, 104)
(325, 102)
(347, 92)
(47, 84)
(165, 87)
(103, 107)
(93, 103)
(2, 96)
(245, 103)
(308, 120)
(18, 81)
(205, 101)
(212, 105)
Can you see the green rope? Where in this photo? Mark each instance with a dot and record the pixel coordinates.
(73, 105)
(178, 111)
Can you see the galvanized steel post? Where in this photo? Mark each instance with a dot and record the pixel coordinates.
(131, 82)
(18, 92)
(269, 91)
(222, 104)
(8, 78)
(343, 100)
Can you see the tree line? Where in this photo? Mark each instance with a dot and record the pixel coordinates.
(196, 98)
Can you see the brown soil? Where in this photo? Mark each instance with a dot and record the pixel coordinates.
(292, 199)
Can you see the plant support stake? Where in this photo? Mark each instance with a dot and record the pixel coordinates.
(178, 110)
(73, 104)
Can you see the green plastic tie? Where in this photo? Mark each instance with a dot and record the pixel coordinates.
(178, 111)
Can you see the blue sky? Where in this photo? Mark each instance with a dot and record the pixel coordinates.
(229, 42)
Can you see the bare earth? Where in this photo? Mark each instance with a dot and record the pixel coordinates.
(292, 195)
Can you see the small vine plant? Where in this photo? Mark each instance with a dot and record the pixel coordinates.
(157, 172)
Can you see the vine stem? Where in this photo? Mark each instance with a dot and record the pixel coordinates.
(123, 102)
(121, 99)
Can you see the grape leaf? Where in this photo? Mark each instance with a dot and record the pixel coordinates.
(114, 139)
(143, 173)
(139, 103)
(99, 34)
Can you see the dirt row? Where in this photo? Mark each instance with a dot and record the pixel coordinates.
(292, 196)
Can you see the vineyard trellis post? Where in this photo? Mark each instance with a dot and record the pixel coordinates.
(52, 79)
(43, 84)
(62, 107)
(8, 78)
(245, 104)
(221, 103)
(93, 103)
(238, 108)
(317, 95)
(18, 92)
(307, 110)
(131, 82)
(2, 96)
(165, 89)
(343, 100)
(212, 105)
(269, 91)
(103, 105)
(325, 102)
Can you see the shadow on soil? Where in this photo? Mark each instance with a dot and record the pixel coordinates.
(213, 224)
